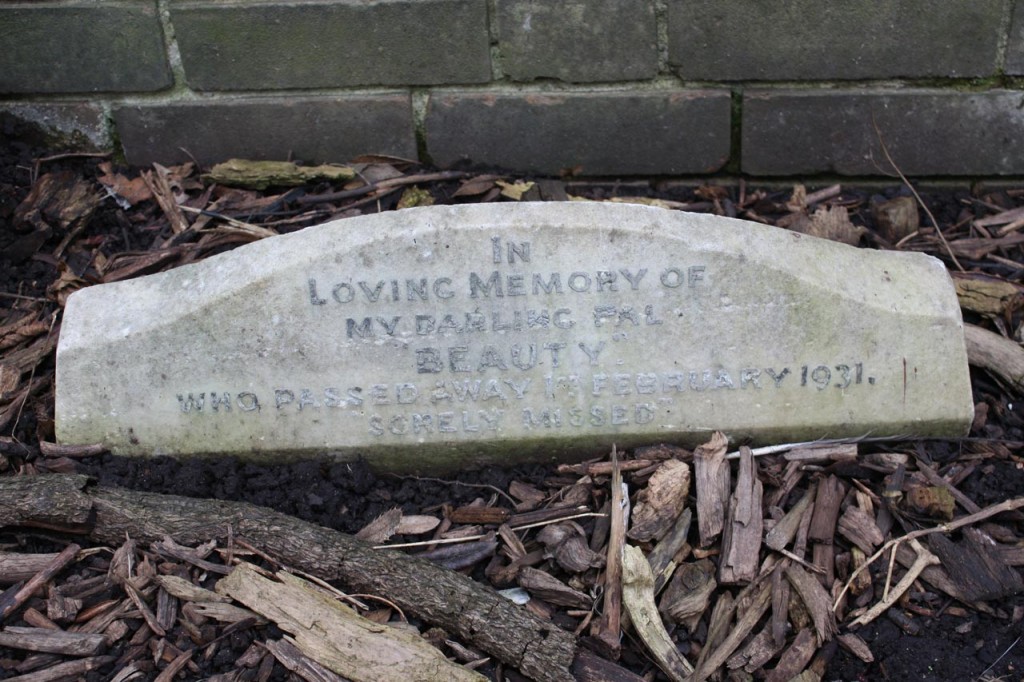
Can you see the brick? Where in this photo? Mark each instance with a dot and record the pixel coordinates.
(314, 129)
(98, 46)
(578, 41)
(1015, 52)
(928, 132)
(604, 133)
(271, 45)
(81, 126)
(811, 39)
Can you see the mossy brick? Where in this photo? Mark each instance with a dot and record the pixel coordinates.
(596, 133)
(927, 132)
(96, 46)
(77, 126)
(811, 39)
(1015, 52)
(283, 45)
(312, 129)
(578, 41)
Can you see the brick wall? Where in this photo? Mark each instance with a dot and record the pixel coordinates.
(605, 87)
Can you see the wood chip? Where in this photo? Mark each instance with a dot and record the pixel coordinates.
(638, 598)
(817, 601)
(711, 479)
(318, 623)
(545, 586)
(976, 566)
(661, 502)
(52, 641)
(855, 645)
(741, 540)
(13, 598)
(688, 594)
(795, 658)
(187, 591)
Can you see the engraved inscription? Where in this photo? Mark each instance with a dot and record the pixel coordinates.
(551, 364)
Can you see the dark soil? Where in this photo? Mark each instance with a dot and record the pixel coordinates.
(952, 642)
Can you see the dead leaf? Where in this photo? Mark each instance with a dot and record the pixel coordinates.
(931, 500)
(475, 186)
(896, 218)
(65, 285)
(830, 223)
(414, 196)
(382, 527)
(417, 524)
(798, 202)
(712, 192)
(133, 191)
(567, 543)
(514, 190)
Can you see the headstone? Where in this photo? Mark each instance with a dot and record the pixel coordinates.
(426, 338)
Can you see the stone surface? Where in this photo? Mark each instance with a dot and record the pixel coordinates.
(81, 46)
(428, 338)
(311, 129)
(268, 45)
(579, 41)
(80, 126)
(603, 133)
(1015, 48)
(928, 132)
(810, 39)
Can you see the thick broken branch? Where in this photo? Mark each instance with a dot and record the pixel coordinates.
(444, 598)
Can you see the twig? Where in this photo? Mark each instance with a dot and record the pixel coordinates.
(467, 485)
(31, 376)
(924, 560)
(472, 538)
(383, 184)
(20, 297)
(1001, 657)
(935, 223)
(247, 228)
(784, 447)
(1005, 506)
(803, 562)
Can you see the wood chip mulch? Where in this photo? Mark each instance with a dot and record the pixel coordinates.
(721, 562)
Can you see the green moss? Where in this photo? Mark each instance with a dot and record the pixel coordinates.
(735, 134)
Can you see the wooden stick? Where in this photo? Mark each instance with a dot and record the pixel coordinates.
(935, 223)
(62, 671)
(999, 355)
(467, 609)
(12, 600)
(52, 641)
(608, 628)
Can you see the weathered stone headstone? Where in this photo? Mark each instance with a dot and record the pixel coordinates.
(427, 337)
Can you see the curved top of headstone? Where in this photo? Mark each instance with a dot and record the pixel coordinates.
(426, 337)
